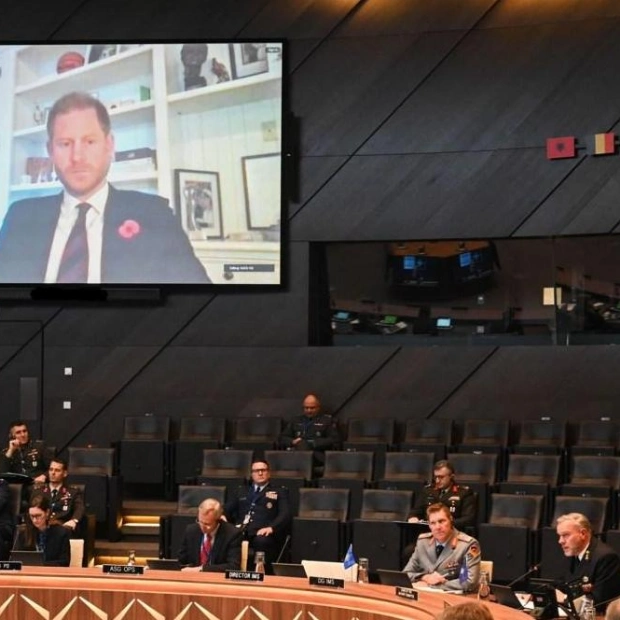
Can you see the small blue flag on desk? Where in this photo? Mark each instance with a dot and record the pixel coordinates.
(349, 558)
(463, 572)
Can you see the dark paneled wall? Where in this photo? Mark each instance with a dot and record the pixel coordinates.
(419, 120)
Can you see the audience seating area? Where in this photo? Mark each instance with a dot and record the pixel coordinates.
(524, 474)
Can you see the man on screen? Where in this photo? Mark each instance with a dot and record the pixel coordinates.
(92, 232)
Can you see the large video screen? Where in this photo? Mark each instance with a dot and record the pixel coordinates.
(141, 163)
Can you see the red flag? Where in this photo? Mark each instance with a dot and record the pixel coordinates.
(604, 144)
(561, 148)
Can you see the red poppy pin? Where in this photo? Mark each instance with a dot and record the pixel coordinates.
(129, 229)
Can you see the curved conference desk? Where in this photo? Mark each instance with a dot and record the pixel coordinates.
(87, 594)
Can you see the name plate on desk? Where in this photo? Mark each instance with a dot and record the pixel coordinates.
(10, 565)
(408, 593)
(326, 582)
(123, 569)
(244, 575)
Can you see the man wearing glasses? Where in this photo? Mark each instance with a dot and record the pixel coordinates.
(262, 511)
(459, 498)
(210, 544)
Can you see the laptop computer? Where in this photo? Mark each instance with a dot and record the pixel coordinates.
(393, 578)
(504, 595)
(289, 570)
(28, 558)
(163, 564)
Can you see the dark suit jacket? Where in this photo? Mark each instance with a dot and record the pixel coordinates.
(225, 553)
(159, 252)
(601, 565)
(271, 509)
(57, 546)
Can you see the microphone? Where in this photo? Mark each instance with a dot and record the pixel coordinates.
(286, 541)
(525, 575)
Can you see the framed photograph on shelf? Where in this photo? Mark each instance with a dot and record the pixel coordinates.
(248, 59)
(100, 51)
(261, 184)
(198, 203)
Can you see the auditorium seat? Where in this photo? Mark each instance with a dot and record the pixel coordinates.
(229, 468)
(509, 536)
(533, 474)
(407, 471)
(595, 508)
(541, 437)
(485, 437)
(596, 437)
(319, 529)
(371, 434)
(196, 434)
(433, 435)
(379, 534)
(258, 433)
(95, 468)
(143, 451)
(348, 470)
(291, 469)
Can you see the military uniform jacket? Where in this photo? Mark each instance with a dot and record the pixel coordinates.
(460, 499)
(318, 432)
(459, 562)
(68, 503)
(270, 507)
(28, 460)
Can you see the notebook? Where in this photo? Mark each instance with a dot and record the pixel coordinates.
(28, 558)
(289, 570)
(393, 578)
(163, 564)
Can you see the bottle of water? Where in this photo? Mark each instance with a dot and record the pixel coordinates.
(362, 570)
(484, 590)
(587, 611)
(131, 558)
(259, 562)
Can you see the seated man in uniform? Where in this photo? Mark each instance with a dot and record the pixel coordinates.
(66, 501)
(444, 557)
(312, 430)
(210, 544)
(592, 564)
(22, 456)
(459, 498)
(262, 511)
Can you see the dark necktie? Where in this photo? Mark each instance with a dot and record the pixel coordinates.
(54, 495)
(74, 262)
(205, 550)
(438, 549)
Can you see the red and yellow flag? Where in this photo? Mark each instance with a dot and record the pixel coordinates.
(604, 144)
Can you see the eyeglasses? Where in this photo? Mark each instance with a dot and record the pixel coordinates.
(203, 523)
(259, 471)
(37, 517)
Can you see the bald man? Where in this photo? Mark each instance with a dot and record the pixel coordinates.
(211, 544)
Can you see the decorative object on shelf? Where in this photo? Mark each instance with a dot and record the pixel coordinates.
(145, 93)
(198, 203)
(38, 116)
(40, 169)
(134, 161)
(248, 59)
(69, 61)
(101, 51)
(261, 184)
(220, 71)
(193, 56)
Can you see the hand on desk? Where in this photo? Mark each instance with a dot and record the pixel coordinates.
(191, 569)
(433, 579)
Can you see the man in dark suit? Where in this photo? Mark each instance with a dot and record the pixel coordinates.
(92, 232)
(211, 544)
(593, 566)
(262, 511)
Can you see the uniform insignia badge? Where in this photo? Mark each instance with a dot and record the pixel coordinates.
(269, 505)
(474, 551)
(271, 495)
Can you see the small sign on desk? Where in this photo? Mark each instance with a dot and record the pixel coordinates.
(123, 569)
(10, 565)
(244, 575)
(408, 593)
(326, 582)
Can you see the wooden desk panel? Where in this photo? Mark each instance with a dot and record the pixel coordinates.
(87, 594)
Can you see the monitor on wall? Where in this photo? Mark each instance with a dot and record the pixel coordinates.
(141, 163)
